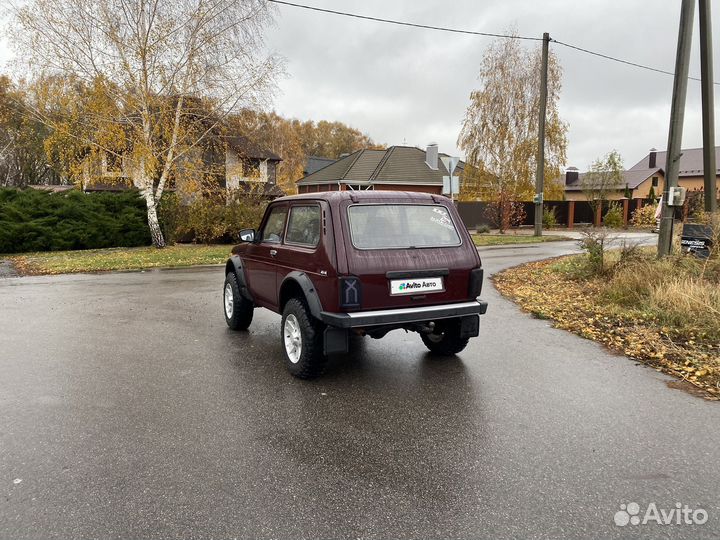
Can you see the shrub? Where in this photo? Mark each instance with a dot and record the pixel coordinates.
(694, 206)
(644, 217)
(614, 217)
(243, 212)
(594, 243)
(549, 218)
(504, 214)
(171, 216)
(211, 217)
(483, 229)
(33, 220)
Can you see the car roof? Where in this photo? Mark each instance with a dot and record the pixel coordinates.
(336, 197)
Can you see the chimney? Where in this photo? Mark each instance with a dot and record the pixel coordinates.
(431, 156)
(652, 159)
(571, 175)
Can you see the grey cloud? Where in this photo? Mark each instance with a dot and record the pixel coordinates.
(408, 84)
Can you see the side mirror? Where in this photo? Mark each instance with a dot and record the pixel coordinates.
(247, 235)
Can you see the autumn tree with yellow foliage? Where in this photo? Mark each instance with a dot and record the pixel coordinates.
(499, 131)
(154, 79)
(295, 140)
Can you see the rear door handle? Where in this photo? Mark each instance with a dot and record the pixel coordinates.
(273, 252)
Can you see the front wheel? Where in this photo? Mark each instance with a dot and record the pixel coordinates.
(302, 340)
(446, 340)
(238, 309)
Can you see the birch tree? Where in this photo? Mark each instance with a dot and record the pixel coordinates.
(605, 176)
(499, 131)
(152, 62)
(22, 157)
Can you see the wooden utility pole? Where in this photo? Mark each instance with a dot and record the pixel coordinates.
(708, 106)
(540, 172)
(677, 115)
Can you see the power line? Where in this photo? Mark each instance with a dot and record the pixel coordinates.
(473, 33)
(403, 23)
(620, 60)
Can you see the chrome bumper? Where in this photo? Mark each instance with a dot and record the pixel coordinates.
(404, 315)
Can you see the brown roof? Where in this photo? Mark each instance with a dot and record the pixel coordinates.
(691, 161)
(631, 178)
(247, 148)
(396, 165)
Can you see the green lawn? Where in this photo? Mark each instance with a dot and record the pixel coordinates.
(503, 239)
(99, 260)
(103, 260)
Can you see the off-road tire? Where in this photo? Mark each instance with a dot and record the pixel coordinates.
(242, 308)
(311, 361)
(447, 340)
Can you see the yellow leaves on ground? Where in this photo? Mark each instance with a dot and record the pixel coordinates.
(100, 260)
(576, 305)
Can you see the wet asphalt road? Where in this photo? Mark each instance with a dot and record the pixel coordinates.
(129, 410)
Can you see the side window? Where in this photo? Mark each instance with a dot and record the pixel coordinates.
(304, 226)
(275, 225)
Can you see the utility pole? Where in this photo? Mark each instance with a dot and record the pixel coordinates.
(540, 172)
(677, 115)
(708, 105)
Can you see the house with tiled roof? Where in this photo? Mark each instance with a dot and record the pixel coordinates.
(646, 175)
(241, 165)
(401, 168)
(315, 163)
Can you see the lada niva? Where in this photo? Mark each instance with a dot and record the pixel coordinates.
(366, 262)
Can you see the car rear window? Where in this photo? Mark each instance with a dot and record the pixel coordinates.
(398, 226)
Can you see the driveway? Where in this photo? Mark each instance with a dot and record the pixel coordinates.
(129, 410)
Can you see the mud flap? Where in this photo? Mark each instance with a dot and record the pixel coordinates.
(469, 326)
(336, 340)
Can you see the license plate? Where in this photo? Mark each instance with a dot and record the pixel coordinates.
(416, 286)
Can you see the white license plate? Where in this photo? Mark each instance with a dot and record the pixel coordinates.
(416, 286)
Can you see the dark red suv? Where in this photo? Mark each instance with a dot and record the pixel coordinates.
(366, 262)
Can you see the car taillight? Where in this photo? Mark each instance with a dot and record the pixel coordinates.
(350, 292)
(476, 280)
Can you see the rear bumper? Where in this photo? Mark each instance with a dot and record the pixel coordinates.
(404, 315)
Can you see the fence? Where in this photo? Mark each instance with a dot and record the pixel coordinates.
(568, 213)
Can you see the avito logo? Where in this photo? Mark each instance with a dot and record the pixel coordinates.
(417, 285)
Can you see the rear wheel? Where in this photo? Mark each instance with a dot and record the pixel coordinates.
(302, 340)
(238, 309)
(446, 340)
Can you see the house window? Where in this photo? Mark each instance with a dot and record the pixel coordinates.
(654, 181)
(251, 169)
(112, 164)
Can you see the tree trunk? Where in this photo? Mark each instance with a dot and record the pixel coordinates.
(158, 239)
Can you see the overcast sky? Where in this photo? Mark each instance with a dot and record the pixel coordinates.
(410, 85)
(405, 85)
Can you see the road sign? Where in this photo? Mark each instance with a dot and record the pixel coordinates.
(450, 163)
(447, 185)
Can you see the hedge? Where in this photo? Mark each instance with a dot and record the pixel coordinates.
(33, 220)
